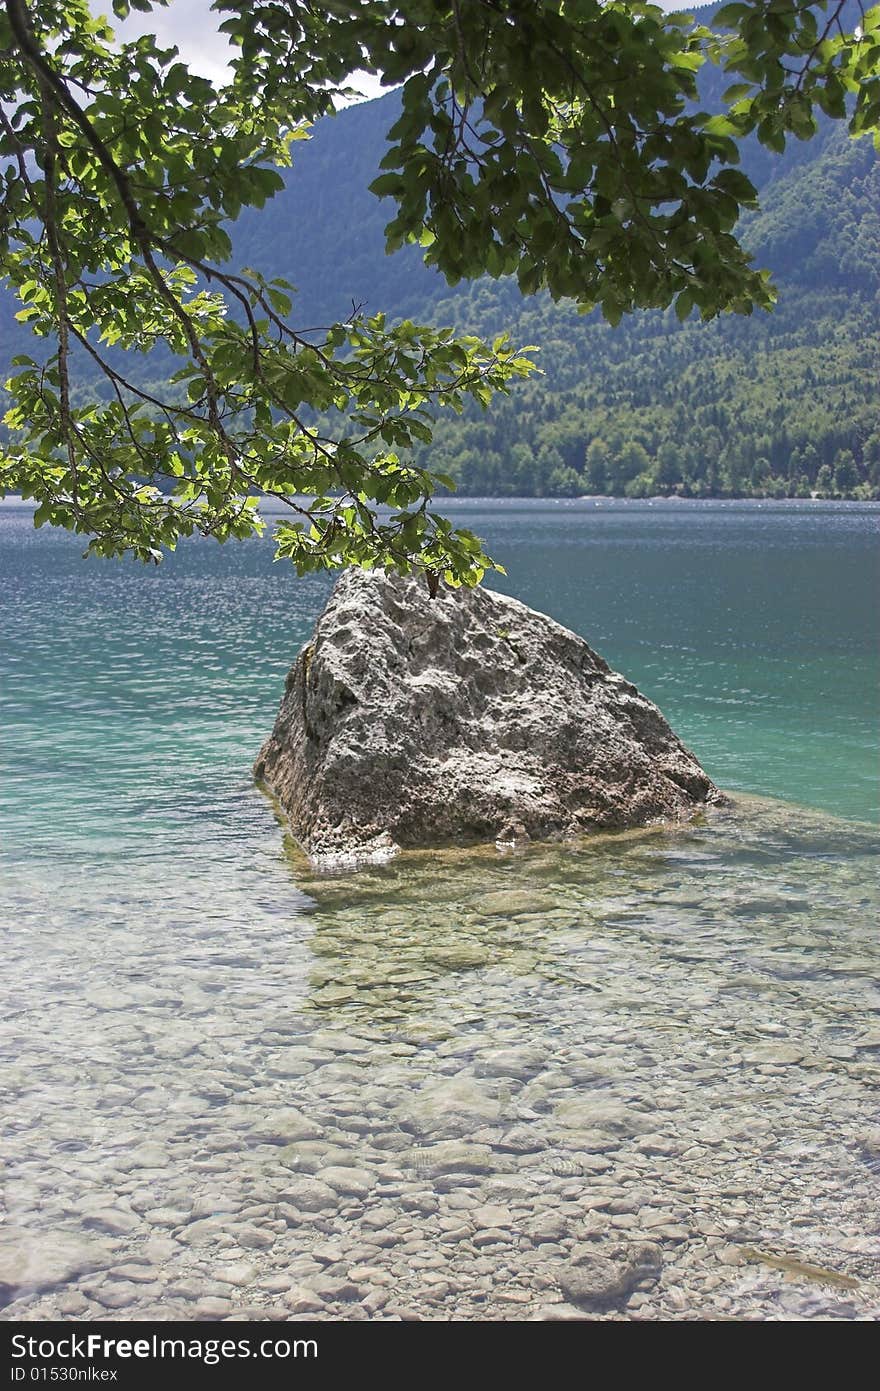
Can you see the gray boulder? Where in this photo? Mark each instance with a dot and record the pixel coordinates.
(409, 721)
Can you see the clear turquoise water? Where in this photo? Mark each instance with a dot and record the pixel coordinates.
(673, 1037)
(134, 699)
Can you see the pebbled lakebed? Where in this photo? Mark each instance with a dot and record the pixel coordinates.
(634, 1078)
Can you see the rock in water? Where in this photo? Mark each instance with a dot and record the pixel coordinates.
(410, 722)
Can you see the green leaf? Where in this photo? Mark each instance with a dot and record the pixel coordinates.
(583, 169)
(683, 305)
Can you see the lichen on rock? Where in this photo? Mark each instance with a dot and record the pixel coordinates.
(409, 722)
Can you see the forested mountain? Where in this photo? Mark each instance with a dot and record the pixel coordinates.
(779, 404)
(783, 404)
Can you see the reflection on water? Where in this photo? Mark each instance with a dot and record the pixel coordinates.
(635, 1077)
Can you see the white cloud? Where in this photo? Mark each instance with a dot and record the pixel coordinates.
(190, 26)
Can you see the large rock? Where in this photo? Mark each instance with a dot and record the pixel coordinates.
(409, 721)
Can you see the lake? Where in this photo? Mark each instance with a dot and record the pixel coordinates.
(633, 1077)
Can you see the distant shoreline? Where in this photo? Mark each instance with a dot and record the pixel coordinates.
(453, 500)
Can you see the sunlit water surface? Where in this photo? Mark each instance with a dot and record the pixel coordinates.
(632, 1078)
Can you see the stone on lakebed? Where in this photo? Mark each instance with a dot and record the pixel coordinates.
(411, 722)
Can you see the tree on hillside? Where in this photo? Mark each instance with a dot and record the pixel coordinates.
(557, 141)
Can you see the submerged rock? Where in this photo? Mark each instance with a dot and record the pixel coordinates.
(411, 722)
(35, 1260)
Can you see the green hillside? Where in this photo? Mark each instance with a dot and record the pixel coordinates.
(774, 405)
(777, 405)
(780, 404)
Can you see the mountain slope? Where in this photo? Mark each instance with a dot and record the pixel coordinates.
(776, 404)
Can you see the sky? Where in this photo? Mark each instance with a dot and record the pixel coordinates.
(187, 23)
(192, 27)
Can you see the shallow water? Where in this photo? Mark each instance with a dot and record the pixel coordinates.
(639, 1073)
(434, 1090)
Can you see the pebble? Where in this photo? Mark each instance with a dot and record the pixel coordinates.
(870, 1143)
(491, 1215)
(236, 1273)
(300, 1300)
(113, 1221)
(562, 1084)
(140, 1274)
(287, 1127)
(309, 1195)
(519, 1063)
(254, 1238)
(355, 1183)
(512, 902)
(450, 1110)
(492, 1237)
(33, 1259)
(212, 1308)
(122, 1295)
